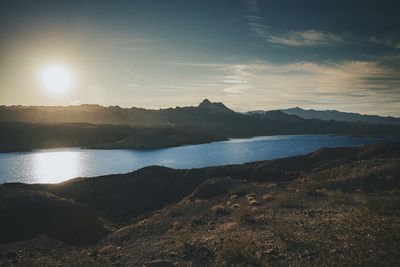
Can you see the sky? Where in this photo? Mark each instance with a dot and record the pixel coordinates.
(248, 54)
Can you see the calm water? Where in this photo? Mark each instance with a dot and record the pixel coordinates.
(56, 165)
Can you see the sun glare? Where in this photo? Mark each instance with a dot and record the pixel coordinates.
(56, 78)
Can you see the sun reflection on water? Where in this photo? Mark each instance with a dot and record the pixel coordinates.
(57, 166)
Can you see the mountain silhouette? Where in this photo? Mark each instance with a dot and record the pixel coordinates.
(339, 116)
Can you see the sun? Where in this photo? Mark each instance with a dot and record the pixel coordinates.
(56, 78)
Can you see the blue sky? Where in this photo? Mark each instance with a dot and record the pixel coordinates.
(249, 54)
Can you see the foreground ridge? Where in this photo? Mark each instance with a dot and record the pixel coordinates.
(335, 206)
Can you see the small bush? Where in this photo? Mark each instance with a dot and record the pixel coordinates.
(271, 185)
(245, 215)
(238, 250)
(268, 197)
(176, 225)
(254, 202)
(106, 249)
(250, 198)
(233, 197)
(219, 209)
(289, 201)
(82, 262)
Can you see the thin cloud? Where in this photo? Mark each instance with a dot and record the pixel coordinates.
(391, 41)
(134, 74)
(258, 28)
(307, 38)
(346, 85)
(252, 5)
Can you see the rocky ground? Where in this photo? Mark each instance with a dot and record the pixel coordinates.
(334, 207)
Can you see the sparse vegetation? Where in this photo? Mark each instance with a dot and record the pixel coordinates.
(288, 201)
(238, 249)
(245, 215)
(329, 226)
(271, 185)
(268, 197)
(219, 209)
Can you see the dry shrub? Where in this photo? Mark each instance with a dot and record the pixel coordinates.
(106, 249)
(254, 202)
(233, 197)
(338, 196)
(80, 262)
(268, 197)
(238, 249)
(271, 185)
(250, 195)
(250, 198)
(245, 215)
(176, 225)
(219, 209)
(235, 206)
(289, 201)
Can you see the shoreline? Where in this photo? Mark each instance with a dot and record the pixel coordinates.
(390, 138)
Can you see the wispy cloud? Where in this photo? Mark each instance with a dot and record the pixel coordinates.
(391, 41)
(258, 28)
(134, 74)
(307, 38)
(252, 5)
(347, 85)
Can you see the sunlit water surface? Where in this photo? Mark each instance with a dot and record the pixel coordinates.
(57, 165)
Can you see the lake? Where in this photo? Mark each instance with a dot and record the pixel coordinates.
(57, 165)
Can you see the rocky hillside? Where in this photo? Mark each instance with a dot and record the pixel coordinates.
(336, 206)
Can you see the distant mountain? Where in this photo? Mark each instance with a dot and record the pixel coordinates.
(214, 107)
(24, 128)
(274, 115)
(97, 114)
(339, 116)
(206, 115)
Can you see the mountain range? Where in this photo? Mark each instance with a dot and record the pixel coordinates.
(95, 126)
(96, 114)
(328, 115)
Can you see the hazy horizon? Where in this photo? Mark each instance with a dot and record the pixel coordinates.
(248, 54)
(189, 105)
